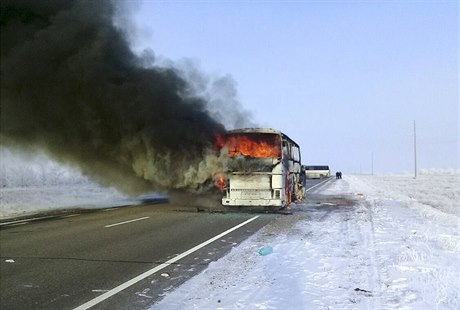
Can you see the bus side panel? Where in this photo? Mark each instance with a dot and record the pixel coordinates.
(278, 181)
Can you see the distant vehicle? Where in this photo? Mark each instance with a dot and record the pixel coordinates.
(264, 169)
(317, 172)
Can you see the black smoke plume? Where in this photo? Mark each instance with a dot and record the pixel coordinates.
(71, 86)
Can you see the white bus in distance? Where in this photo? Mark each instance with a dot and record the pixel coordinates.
(317, 172)
(264, 169)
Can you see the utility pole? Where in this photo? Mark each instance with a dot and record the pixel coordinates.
(415, 152)
(372, 163)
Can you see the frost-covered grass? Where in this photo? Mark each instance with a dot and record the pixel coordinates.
(31, 184)
(35, 170)
(21, 201)
(438, 190)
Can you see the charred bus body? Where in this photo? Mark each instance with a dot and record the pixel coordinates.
(264, 169)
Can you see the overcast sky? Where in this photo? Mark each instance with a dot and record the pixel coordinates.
(345, 79)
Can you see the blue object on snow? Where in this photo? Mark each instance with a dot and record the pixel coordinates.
(265, 250)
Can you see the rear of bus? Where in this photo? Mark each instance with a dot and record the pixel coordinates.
(256, 174)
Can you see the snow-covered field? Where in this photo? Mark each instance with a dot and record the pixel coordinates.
(363, 242)
(25, 201)
(32, 184)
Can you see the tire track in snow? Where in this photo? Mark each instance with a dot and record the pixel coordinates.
(374, 281)
(354, 256)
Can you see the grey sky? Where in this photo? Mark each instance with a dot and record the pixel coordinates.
(345, 79)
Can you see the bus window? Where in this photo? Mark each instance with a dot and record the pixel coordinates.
(253, 145)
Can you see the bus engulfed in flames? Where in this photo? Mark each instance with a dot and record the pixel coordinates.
(263, 169)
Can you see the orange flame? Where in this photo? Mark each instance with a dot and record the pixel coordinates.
(249, 145)
(219, 181)
(219, 141)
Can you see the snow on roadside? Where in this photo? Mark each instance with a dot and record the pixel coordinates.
(21, 201)
(436, 191)
(351, 245)
(33, 183)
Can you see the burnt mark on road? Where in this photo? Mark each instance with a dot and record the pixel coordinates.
(319, 206)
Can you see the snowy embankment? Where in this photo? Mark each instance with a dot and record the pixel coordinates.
(31, 184)
(430, 192)
(25, 201)
(356, 243)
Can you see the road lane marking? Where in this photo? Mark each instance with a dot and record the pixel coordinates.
(110, 209)
(126, 222)
(27, 220)
(18, 224)
(314, 186)
(150, 272)
(70, 215)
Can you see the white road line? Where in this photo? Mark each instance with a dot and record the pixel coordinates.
(126, 222)
(148, 273)
(70, 215)
(309, 189)
(110, 209)
(26, 220)
(17, 224)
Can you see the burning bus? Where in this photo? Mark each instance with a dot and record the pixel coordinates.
(264, 169)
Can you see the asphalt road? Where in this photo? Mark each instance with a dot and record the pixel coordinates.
(67, 261)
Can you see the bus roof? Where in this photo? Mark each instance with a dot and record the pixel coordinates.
(324, 167)
(258, 130)
(261, 130)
